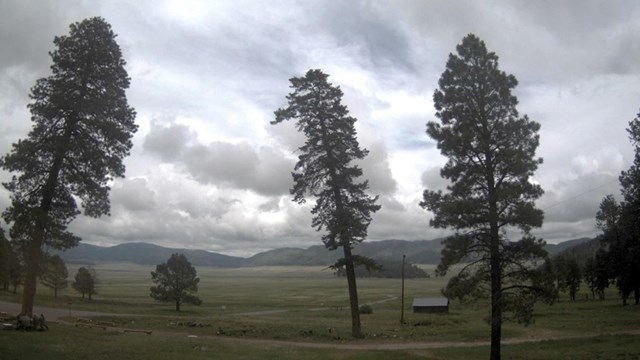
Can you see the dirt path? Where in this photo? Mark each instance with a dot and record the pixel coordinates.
(262, 313)
(57, 313)
(363, 345)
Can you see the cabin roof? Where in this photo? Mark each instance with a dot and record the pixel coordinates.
(430, 302)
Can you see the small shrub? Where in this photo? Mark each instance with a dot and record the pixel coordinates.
(423, 323)
(366, 309)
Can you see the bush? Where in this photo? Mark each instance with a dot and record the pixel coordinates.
(366, 309)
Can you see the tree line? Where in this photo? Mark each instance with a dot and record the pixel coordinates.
(175, 280)
(52, 272)
(388, 269)
(616, 261)
(611, 258)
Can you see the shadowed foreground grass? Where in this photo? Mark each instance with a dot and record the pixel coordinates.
(68, 342)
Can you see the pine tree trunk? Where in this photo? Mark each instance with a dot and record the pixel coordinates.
(34, 255)
(495, 263)
(30, 281)
(48, 193)
(177, 305)
(35, 250)
(496, 302)
(356, 330)
(33, 265)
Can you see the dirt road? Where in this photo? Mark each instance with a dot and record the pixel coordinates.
(57, 313)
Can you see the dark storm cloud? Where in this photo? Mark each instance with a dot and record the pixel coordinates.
(379, 42)
(625, 53)
(27, 29)
(538, 41)
(24, 47)
(612, 28)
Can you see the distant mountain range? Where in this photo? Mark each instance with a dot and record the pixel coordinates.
(417, 252)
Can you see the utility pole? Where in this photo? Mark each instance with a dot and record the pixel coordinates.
(402, 293)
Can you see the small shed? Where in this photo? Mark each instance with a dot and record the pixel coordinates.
(431, 305)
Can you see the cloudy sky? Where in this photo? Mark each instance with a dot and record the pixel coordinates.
(207, 169)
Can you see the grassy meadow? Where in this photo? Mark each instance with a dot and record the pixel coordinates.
(256, 312)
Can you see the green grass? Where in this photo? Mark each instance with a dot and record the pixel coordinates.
(65, 342)
(310, 304)
(68, 342)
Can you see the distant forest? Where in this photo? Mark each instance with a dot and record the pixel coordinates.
(389, 269)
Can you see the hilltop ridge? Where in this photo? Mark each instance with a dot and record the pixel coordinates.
(417, 252)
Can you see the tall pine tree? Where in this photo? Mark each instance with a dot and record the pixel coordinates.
(491, 157)
(325, 172)
(82, 129)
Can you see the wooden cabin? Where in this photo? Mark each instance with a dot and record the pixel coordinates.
(431, 305)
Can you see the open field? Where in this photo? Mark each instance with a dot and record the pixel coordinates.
(280, 312)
